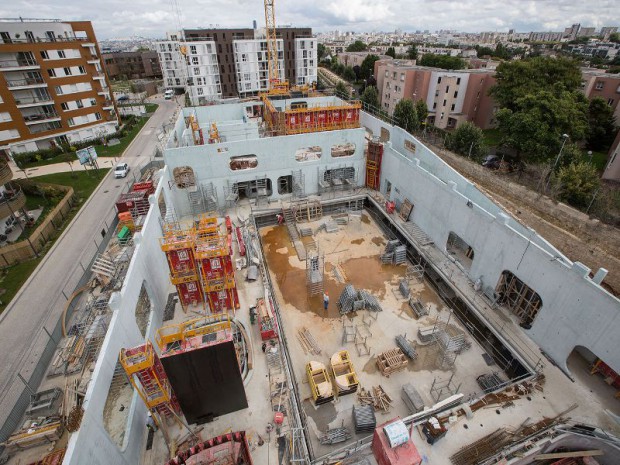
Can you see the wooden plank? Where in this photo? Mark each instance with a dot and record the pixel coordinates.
(564, 455)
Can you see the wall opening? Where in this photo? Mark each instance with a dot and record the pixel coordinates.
(521, 299)
(254, 189)
(117, 406)
(184, 177)
(385, 135)
(339, 173)
(161, 203)
(143, 309)
(596, 375)
(243, 162)
(308, 154)
(343, 150)
(285, 184)
(460, 250)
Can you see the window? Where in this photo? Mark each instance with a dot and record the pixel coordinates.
(97, 116)
(458, 81)
(243, 162)
(61, 54)
(51, 72)
(82, 70)
(64, 106)
(29, 36)
(196, 71)
(518, 297)
(192, 49)
(45, 55)
(58, 90)
(70, 122)
(439, 80)
(402, 77)
(67, 71)
(456, 94)
(308, 154)
(200, 91)
(50, 36)
(452, 107)
(444, 103)
(600, 85)
(610, 102)
(434, 105)
(195, 61)
(93, 102)
(79, 104)
(447, 89)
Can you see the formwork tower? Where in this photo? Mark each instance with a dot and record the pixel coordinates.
(178, 245)
(147, 375)
(315, 271)
(214, 258)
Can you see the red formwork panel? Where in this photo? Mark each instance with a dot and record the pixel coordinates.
(232, 448)
(219, 301)
(189, 293)
(181, 260)
(217, 267)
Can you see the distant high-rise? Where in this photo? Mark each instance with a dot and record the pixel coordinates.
(53, 88)
(254, 25)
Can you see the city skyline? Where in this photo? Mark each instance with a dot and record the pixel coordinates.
(152, 19)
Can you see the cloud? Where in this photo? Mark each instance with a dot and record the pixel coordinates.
(153, 18)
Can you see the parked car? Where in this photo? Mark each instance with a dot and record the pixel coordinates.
(122, 98)
(121, 170)
(168, 94)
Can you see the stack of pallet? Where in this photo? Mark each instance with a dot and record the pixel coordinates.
(391, 361)
(334, 436)
(35, 433)
(364, 419)
(307, 341)
(406, 347)
(377, 398)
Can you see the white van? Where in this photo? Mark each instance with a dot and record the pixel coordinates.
(168, 94)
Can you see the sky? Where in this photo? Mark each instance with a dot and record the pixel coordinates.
(152, 18)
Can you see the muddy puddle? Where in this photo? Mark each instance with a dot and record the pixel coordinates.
(358, 241)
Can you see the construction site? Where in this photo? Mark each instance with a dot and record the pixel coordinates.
(303, 283)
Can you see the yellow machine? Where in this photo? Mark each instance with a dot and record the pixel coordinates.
(344, 373)
(320, 384)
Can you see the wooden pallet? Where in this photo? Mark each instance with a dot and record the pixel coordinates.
(391, 361)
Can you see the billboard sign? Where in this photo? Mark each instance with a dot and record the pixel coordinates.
(87, 155)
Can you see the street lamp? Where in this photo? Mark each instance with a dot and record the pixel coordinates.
(557, 159)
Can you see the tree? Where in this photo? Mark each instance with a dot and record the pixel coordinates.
(391, 52)
(602, 124)
(342, 90)
(442, 61)
(516, 79)
(412, 52)
(357, 46)
(484, 51)
(614, 37)
(370, 97)
(348, 74)
(577, 183)
(405, 115)
(467, 140)
(68, 158)
(321, 51)
(421, 110)
(368, 66)
(358, 72)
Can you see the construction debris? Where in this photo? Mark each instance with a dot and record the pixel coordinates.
(391, 361)
(42, 430)
(419, 309)
(376, 397)
(334, 436)
(489, 382)
(307, 341)
(406, 346)
(403, 287)
(353, 300)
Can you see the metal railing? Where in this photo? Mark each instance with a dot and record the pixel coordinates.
(17, 63)
(6, 173)
(42, 127)
(33, 40)
(40, 117)
(25, 82)
(29, 100)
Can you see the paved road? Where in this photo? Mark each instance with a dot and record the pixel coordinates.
(40, 301)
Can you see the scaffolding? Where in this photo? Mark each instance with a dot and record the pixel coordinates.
(146, 374)
(336, 180)
(209, 195)
(451, 342)
(299, 184)
(231, 195)
(315, 270)
(195, 199)
(310, 210)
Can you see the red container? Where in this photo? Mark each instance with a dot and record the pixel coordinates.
(181, 260)
(405, 454)
(132, 200)
(228, 224)
(144, 186)
(189, 293)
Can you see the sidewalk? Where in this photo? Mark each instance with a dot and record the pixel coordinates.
(107, 162)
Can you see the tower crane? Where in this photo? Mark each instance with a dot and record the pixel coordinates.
(275, 85)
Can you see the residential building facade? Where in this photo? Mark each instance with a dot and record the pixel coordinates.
(53, 85)
(210, 64)
(452, 97)
(597, 83)
(132, 65)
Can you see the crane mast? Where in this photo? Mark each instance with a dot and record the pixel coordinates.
(272, 44)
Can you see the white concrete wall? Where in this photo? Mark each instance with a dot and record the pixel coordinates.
(91, 444)
(575, 310)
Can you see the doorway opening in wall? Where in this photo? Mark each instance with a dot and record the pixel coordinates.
(143, 310)
(285, 184)
(592, 372)
(460, 250)
(388, 189)
(117, 406)
(254, 189)
(385, 135)
(521, 299)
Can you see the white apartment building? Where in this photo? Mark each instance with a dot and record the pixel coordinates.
(252, 68)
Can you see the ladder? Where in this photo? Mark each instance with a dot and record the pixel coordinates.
(261, 189)
(231, 195)
(291, 226)
(209, 194)
(299, 188)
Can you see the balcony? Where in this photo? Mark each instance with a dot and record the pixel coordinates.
(35, 40)
(18, 84)
(11, 200)
(26, 102)
(38, 118)
(42, 126)
(6, 174)
(17, 65)
(98, 76)
(108, 105)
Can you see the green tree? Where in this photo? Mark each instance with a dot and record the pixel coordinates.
(484, 51)
(442, 61)
(602, 125)
(357, 46)
(412, 52)
(321, 51)
(391, 52)
(348, 74)
(536, 125)
(516, 79)
(614, 37)
(342, 90)
(405, 115)
(421, 110)
(368, 66)
(468, 140)
(577, 183)
(370, 97)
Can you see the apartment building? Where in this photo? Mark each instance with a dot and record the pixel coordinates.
(53, 86)
(210, 64)
(132, 65)
(452, 97)
(354, 59)
(597, 83)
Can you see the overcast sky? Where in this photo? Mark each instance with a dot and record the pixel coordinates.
(152, 18)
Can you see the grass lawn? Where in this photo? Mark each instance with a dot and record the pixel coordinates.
(599, 160)
(151, 107)
(492, 137)
(107, 151)
(83, 183)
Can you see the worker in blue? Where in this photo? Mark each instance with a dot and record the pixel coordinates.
(325, 300)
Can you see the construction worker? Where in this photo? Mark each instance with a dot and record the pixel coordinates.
(280, 218)
(150, 423)
(325, 300)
